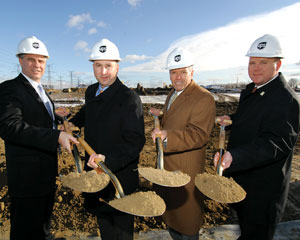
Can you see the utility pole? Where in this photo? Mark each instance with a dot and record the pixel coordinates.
(49, 75)
(60, 82)
(71, 75)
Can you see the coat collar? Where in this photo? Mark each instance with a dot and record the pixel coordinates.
(179, 100)
(277, 82)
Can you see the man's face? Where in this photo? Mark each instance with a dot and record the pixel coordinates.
(33, 66)
(261, 70)
(181, 77)
(106, 71)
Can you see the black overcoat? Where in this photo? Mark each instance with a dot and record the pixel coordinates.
(113, 126)
(263, 134)
(30, 142)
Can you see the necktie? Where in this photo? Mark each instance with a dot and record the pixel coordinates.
(99, 92)
(254, 89)
(172, 99)
(45, 100)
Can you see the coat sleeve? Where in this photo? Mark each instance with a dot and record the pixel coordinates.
(197, 129)
(132, 134)
(15, 129)
(275, 140)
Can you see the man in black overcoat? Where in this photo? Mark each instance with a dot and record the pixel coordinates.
(263, 134)
(113, 123)
(28, 128)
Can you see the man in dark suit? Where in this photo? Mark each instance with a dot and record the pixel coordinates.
(113, 123)
(27, 125)
(263, 135)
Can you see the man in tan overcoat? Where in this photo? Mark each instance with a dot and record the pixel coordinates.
(186, 125)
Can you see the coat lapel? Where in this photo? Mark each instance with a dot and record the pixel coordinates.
(33, 93)
(179, 100)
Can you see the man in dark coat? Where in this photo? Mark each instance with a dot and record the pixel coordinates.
(113, 123)
(263, 135)
(27, 125)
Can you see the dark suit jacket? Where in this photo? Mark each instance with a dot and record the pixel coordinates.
(263, 134)
(30, 142)
(113, 126)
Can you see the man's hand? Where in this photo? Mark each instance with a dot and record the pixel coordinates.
(64, 140)
(62, 112)
(156, 112)
(223, 120)
(94, 158)
(226, 160)
(159, 133)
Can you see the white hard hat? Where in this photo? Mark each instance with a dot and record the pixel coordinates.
(179, 58)
(105, 50)
(267, 46)
(32, 45)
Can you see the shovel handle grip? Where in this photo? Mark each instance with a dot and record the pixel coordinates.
(113, 178)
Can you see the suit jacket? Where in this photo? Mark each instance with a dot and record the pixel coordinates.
(113, 126)
(188, 122)
(263, 134)
(30, 142)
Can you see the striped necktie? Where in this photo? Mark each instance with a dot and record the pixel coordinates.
(45, 100)
(172, 99)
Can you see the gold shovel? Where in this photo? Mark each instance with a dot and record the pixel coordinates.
(145, 204)
(217, 187)
(159, 175)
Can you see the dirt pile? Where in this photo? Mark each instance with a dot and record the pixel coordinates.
(69, 214)
(219, 188)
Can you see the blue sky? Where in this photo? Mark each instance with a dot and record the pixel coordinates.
(218, 32)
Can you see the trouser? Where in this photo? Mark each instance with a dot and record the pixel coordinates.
(29, 217)
(179, 236)
(254, 231)
(116, 226)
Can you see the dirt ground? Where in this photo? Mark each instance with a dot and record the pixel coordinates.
(70, 218)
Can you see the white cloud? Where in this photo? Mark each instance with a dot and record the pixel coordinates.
(225, 47)
(133, 58)
(82, 45)
(78, 20)
(101, 24)
(92, 31)
(134, 3)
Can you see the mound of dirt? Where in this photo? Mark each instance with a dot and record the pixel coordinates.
(69, 215)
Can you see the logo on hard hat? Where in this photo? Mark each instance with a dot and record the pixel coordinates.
(35, 45)
(261, 45)
(102, 49)
(177, 58)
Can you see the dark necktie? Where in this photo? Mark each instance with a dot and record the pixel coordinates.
(254, 89)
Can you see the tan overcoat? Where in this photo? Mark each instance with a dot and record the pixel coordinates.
(188, 122)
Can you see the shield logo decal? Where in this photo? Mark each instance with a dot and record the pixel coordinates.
(261, 45)
(177, 58)
(35, 45)
(102, 49)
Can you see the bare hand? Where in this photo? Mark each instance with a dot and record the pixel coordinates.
(62, 112)
(159, 133)
(94, 159)
(156, 112)
(224, 120)
(226, 160)
(64, 140)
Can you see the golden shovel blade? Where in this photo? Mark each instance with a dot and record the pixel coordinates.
(143, 204)
(163, 177)
(89, 181)
(219, 188)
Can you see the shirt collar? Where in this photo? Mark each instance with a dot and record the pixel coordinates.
(258, 87)
(34, 84)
